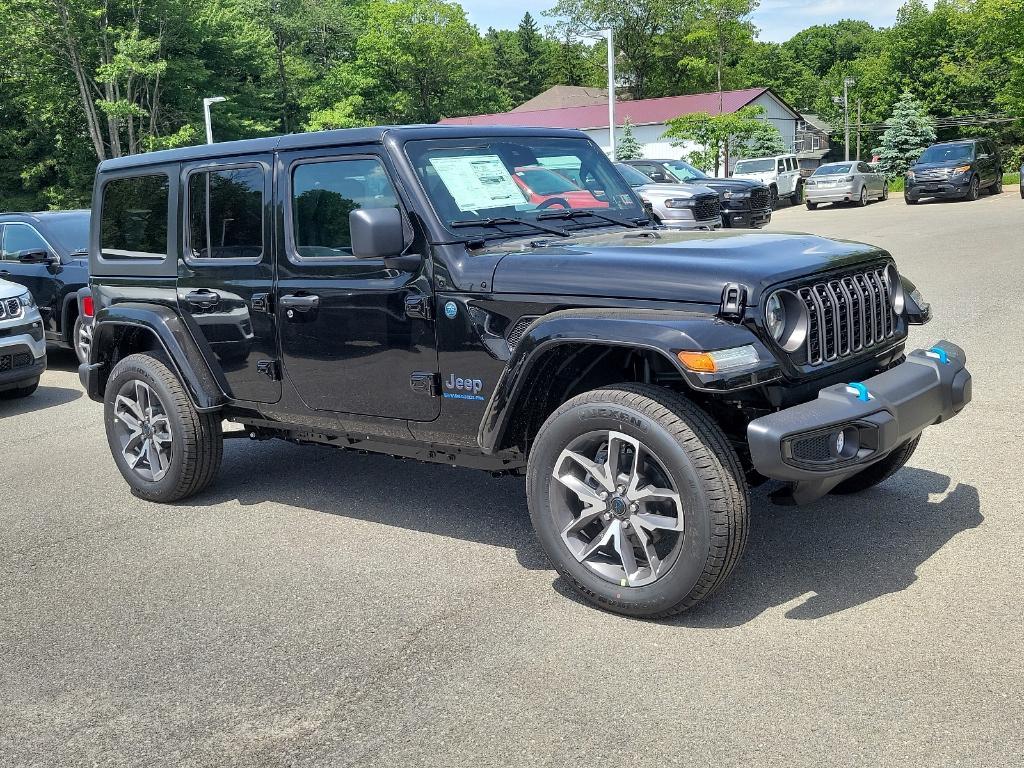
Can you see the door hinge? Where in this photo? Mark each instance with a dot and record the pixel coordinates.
(269, 368)
(734, 298)
(425, 383)
(419, 306)
(261, 302)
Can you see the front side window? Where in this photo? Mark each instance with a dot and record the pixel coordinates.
(225, 214)
(323, 196)
(21, 238)
(526, 178)
(133, 223)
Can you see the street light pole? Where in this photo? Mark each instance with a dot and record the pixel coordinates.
(611, 96)
(847, 82)
(206, 115)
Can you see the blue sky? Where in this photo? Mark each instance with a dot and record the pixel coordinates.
(778, 20)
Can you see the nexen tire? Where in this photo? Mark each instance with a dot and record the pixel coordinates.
(703, 469)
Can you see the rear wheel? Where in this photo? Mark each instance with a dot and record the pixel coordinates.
(997, 186)
(863, 199)
(164, 448)
(798, 193)
(879, 472)
(811, 206)
(638, 499)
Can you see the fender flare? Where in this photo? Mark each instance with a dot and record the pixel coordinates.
(663, 332)
(170, 333)
(69, 300)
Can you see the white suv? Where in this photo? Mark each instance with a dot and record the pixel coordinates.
(781, 174)
(22, 342)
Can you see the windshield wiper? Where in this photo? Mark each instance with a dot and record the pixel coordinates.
(572, 214)
(497, 221)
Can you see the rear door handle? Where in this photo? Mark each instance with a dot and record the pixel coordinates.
(300, 303)
(203, 298)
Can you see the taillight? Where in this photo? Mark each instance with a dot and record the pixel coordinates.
(87, 306)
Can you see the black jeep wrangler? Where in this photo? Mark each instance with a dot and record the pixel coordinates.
(395, 290)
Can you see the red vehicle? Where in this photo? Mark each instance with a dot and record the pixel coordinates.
(543, 185)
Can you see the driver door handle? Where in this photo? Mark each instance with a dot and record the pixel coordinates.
(300, 303)
(203, 298)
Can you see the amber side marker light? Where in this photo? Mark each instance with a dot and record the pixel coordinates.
(719, 361)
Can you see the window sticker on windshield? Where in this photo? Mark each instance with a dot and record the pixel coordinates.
(478, 182)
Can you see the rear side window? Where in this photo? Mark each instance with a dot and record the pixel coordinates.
(133, 224)
(325, 193)
(225, 214)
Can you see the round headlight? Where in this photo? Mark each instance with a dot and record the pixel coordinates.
(897, 295)
(775, 316)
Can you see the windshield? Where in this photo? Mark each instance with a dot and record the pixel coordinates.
(833, 170)
(521, 178)
(632, 176)
(684, 171)
(947, 153)
(70, 230)
(755, 166)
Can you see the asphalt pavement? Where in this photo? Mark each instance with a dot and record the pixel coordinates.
(321, 608)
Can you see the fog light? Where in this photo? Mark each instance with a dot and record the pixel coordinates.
(846, 443)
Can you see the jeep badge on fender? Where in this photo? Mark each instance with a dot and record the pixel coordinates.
(424, 300)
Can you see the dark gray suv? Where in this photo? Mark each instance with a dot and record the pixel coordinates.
(955, 170)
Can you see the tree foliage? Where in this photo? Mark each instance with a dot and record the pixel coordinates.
(710, 139)
(627, 147)
(910, 131)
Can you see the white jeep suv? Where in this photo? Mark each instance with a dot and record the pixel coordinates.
(781, 174)
(22, 342)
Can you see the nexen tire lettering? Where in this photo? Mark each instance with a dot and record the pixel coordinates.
(616, 414)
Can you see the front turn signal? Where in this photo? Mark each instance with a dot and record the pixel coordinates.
(719, 361)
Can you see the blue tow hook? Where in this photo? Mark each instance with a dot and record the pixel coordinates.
(940, 354)
(858, 389)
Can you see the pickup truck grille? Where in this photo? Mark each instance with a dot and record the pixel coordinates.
(848, 314)
(706, 207)
(760, 197)
(10, 308)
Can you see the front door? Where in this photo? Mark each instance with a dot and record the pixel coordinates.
(226, 273)
(353, 336)
(43, 280)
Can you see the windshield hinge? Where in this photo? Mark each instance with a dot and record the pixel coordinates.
(734, 299)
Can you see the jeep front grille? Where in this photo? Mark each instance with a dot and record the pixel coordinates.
(848, 314)
(706, 207)
(10, 308)
(760, 197)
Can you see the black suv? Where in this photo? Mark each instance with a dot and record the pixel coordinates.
(745, 203)
(47, 252)
(394, 290)
(955, 169)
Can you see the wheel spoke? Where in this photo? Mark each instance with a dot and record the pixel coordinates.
(142, 398)
(598, 541)
(624, 548)
(595, 470)
(125, 410)
(134, 450)
(650, 493)
(651, 521)
(653, 561)
(616, 442)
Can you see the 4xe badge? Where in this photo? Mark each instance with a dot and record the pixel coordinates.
(466, 389)
(451, 309)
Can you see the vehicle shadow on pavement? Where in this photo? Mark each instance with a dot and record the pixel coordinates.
(44, 397)
(458, 503)
(842, 551)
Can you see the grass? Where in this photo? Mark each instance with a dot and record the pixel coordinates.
(1009, 180)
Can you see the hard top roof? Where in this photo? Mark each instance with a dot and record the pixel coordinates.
(318, 139)
(42, 215)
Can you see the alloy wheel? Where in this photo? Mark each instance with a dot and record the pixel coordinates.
(143, 430)
(617, 508)
(83, 340)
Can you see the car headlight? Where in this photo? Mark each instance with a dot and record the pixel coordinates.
(961, 169)
(775, 316)
(26, 300)
(678, 203)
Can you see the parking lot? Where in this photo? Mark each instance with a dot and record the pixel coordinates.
(321, 608)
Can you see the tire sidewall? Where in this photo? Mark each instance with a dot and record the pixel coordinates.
(688, 559)
(138, 367)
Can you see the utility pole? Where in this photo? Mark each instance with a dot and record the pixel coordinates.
(858, 130)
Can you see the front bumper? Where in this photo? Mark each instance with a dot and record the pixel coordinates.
(749, 219)
(20, 366)
(802, 444)
(953, 188)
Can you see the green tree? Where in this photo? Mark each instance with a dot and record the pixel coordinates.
(711, 138)
(910, 131)
(720, 27)
(627, 147)
(536, 56)
(821, 46)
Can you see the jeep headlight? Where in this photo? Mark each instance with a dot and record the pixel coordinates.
(775, 316)
(897, 297)
(26, 300)
(678, 203)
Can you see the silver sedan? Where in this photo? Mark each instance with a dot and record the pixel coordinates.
(848, 182)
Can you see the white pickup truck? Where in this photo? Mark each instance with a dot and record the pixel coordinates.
(781, 174)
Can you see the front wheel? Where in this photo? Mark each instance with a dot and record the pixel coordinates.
(974, 189)
(811, 206)
(997, 186)
(638, 499)
(163, 447)
(775, 196)
(885, 192)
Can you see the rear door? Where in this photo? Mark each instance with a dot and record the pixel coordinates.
(354, 333)
(226, 272)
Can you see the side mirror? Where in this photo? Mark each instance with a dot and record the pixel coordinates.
(36, 257)
(377, 233)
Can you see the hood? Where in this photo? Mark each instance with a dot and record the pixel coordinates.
(10, 290)
(758, 177)
(675, 266)
(943, 165)
(669, 191)
(729, 185)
